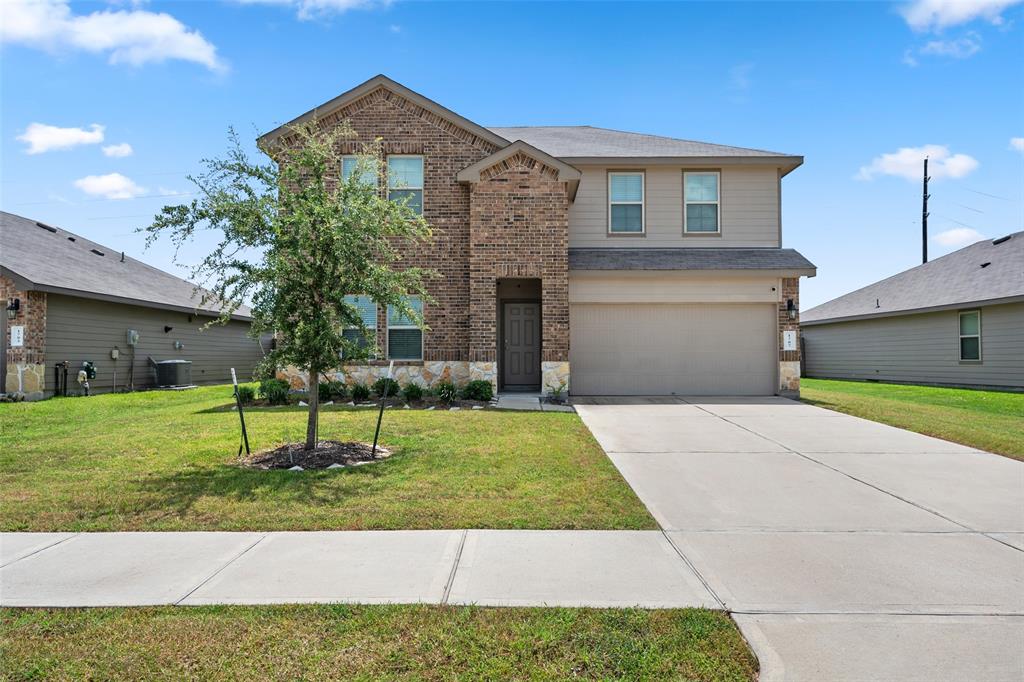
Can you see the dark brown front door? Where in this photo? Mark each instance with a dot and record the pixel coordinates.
(521, 356)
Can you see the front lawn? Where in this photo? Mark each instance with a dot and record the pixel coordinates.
(371, 642)
(165, 460)
(988, 420)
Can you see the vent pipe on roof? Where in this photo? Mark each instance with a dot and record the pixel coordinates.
(122, 256)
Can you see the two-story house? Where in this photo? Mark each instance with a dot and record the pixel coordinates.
(618, 263)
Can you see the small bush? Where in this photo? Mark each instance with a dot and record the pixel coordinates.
(246, 394)
(390, 386)
(274, 391)
(479, 389)
(331, 390)
(446, 391)
(557, 391)
(412, 392)
(360, 392)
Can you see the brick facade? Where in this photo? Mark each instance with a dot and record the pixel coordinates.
(789, 361)
(25, 365)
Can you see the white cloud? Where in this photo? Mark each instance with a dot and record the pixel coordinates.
(44, 138)
(110, 186)
(314, 9)
(908, 57)
(906, 163)
(935, 15)
(958, 236)
(118, 150)
(739, 76)
(1017, 143)
(960, 48)
(133, 37)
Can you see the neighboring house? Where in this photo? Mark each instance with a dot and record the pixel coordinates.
(957, 320)
(71, 299)
(643, 264)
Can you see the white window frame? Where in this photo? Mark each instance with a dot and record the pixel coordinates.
(641, 203)
(717, 203)
(376, 182)
(961, 336)
(423, 179)
(387, 347)
(374, 351)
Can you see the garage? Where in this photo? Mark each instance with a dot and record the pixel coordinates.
(673, 348)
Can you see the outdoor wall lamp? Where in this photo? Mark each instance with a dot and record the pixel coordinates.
(13, 306)
(791, 308)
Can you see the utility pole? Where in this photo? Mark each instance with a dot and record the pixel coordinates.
(924, 215)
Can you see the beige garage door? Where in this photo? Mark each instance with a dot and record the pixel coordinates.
(666, 349)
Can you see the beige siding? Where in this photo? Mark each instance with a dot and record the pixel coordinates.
(671, 287)
(80, 329)
(680, 349)
(749, 209)
(920, 348)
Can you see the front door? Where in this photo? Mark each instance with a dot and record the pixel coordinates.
(521, 355)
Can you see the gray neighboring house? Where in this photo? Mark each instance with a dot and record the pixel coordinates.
(957, 321)
(70, 299)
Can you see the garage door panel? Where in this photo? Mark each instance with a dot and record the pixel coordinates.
(664, 349)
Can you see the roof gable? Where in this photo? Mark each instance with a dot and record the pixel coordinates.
(487, 166)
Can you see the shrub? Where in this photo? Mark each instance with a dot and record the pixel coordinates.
(330, 390)
(557, 392)
(360, 392)
(412, 392)
(446, 391)
(275, 391)
(479, 389)
(246, 394)
(382, 385)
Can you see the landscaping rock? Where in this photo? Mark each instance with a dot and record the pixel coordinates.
(477, 407)
(454, 409)
(303, 403)
(336, 466)
(296, 468)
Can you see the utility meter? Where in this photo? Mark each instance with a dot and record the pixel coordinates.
(114, 352)
(90, 369)
(133, 337)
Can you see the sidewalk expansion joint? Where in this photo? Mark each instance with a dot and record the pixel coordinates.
(213, 575)
(455, 568)
(41, 549)
(700, 577)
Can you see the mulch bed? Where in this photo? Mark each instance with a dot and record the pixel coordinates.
(326, 453)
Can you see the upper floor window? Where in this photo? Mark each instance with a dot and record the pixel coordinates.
(701, 209)
(349, 165)
(626, 203)
(368, 314)
(970, 335)
(405, 179)
(405, 338)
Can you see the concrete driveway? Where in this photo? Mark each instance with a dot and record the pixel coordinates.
(845, 549)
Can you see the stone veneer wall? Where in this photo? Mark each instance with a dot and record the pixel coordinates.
(26, 366)
(428, 374)
(789, 361)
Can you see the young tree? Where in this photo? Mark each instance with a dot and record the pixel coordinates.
(294, 238)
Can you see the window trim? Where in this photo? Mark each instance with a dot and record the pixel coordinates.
(387, 333)
(718, 203)
(642, 202)
(961, 336)
(375, 351)
(423, 180)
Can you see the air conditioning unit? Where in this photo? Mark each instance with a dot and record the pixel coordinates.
(174, 373)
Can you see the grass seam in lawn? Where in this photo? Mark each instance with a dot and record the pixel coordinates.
(213, 575)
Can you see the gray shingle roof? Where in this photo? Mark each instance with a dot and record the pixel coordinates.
(953, 280)
(688, 259)
(54, 259)
(587, 141)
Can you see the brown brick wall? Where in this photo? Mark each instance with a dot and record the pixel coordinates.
(519, 227)
(790, 289)
(32, 316)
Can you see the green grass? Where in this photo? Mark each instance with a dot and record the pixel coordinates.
(371, 642)
(988, 420)
(165, 461)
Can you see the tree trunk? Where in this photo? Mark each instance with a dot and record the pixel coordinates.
(314, 407)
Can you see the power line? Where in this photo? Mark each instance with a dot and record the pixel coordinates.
(986, 194)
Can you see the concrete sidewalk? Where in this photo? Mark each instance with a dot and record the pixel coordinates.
(489, 567)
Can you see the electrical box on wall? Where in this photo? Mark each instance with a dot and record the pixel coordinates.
(133, 337)
(788, 340)
(17, 336)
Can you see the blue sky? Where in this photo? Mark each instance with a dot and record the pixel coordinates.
(846, 85)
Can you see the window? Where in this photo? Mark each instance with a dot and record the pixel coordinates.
(626, 203)
(970, 335)
(405, 179)
(368, 312)
(349, 165)
(700, 202)
(405, 339)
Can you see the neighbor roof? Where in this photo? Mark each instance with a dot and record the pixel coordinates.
(989, 271)
(44, 258)
(681, 258)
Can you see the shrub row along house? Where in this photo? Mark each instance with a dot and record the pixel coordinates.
(957, 320)
(636, 264)
(69, 299)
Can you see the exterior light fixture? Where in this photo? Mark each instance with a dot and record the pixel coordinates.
(13, 306)
(791, 308)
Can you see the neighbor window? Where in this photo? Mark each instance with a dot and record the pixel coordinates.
(349, 164)
(970, 335)
(700, 202)
(626, 203)
(405, 179)
(405, 338)
(368, 313)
